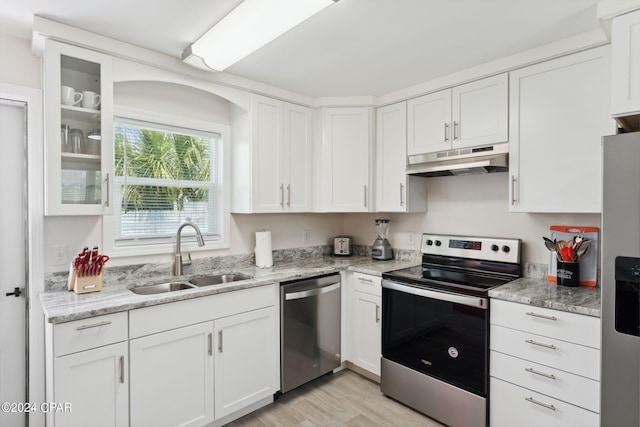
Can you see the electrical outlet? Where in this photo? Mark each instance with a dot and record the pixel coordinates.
(306, 236)
(411, 238)
(59, 254)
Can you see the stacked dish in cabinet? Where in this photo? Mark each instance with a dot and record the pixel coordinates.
(544, 367)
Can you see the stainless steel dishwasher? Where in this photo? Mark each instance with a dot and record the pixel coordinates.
(309, 329)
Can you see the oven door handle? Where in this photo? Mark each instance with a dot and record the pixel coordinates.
(437, 295)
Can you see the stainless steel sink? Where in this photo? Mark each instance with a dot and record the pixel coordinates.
(162, 288)
(218, 279)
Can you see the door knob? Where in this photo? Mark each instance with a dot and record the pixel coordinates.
(16, 292)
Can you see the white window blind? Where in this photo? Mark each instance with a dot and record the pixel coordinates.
(164, 175)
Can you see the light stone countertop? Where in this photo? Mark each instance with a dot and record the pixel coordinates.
(63, 306)
(543, 293)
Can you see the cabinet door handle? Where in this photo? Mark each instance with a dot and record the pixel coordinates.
(541, 316)
(513, 190)
(551, 346)
(282, 195)
(107, 184)
(121, 369)
(220, 341)
(455, 130)
(401, 194)
(95, 325)
(289, 195)
(544, 405)
(365, 195)
(377, 313)
(446, 132)
(542, 374)
(210, 343)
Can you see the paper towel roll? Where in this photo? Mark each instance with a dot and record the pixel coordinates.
(264, 256)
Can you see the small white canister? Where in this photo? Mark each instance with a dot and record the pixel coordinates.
(264, 254)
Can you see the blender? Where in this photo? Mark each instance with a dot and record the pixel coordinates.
(381, 249)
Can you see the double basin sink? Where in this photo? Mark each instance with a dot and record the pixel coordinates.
(195, 282)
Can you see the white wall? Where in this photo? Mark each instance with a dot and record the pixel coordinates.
(476, 205)
(19, 66)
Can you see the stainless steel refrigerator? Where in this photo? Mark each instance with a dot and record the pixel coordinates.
(620, 284)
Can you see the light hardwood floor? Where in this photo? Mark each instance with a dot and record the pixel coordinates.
(341, 399)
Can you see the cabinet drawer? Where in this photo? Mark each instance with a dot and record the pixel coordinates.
(574, 389)
(576, 328)
(547, 351)
(367, 283)
(94, 332)
(513, 406)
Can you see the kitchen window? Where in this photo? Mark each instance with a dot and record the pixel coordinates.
(167, 172)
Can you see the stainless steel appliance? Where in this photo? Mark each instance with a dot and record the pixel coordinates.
(309, 329)
(435, 326)
(381, 249)
(342, 246)
(620, 282)
(463, 161)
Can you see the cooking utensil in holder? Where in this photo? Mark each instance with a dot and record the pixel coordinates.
(84, 284)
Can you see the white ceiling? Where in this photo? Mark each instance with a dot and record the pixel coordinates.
(354, 47)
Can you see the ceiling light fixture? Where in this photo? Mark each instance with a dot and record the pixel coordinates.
(248, 27)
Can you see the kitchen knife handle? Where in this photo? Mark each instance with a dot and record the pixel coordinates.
(544, 405)
(121, 369)
(446, 132)
(289, 195)
(551, 346)
(220, 341)
(210, 338)
(282, 195)
(401, 194)
(107, 184)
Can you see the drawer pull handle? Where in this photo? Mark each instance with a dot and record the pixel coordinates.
(362, 279)
(551, 346)
(533, 371)
(541, 316)
(95, 325)
(544, 405)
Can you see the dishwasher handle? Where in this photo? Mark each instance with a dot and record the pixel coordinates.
(311, 292)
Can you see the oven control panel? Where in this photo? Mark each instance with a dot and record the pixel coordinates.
(485, 248)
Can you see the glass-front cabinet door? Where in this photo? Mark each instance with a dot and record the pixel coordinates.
(79, 130)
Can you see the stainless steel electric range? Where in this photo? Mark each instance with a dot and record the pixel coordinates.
(435, 326)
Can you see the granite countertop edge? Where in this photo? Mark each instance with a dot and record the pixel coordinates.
(65, 306)
(544, 293)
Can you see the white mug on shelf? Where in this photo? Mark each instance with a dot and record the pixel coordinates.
(90, 100)
(69, 96)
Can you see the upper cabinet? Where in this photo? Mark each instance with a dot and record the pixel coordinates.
(395, 190)
(345, 165)
(559, 114)
(271, 157)
(468, 115)
(625, 69)
(78, 130)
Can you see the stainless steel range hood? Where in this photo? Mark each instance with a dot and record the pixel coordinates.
(464, 161)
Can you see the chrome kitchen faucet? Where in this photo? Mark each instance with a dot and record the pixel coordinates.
(177, 267)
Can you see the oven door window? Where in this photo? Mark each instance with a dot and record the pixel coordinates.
(439, 338)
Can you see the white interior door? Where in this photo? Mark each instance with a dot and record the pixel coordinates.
(13, 217)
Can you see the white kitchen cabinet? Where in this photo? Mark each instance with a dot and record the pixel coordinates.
(245, 361)
(364, 324)
(172, 377)
(468, 115)
(544, 366)
(346, 160)
(271, 157)
(558, 117)
(78, 176)
(625, 66)
(87, 368)
(395, 190)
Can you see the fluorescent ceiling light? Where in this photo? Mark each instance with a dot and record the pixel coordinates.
(248, 27)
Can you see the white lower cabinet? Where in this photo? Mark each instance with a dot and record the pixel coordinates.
(544, 367)
(246, 366)
(95, 384)
(172, 377)
(364, 322)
